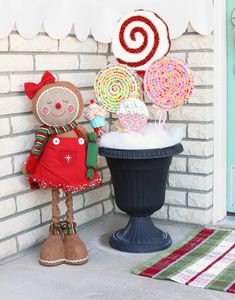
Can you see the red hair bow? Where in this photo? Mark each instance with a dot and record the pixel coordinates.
(31, 88)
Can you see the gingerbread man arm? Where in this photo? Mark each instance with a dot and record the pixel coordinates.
(40, 141)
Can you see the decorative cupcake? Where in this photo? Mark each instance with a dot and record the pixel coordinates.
(133, 114)
(96, 115)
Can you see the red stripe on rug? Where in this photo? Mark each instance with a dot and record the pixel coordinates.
(177, 254)
(210, 265)
(231, 289)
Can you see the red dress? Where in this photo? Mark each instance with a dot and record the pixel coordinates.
(63, 165)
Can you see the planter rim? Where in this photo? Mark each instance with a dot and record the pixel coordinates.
(141, 153)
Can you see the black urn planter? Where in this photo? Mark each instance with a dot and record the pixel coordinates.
(139, 179)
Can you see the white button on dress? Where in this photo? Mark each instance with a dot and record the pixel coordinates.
(81, 141)
(56, 141)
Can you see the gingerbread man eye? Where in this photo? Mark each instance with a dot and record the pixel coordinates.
(45, 110)
(71, 108)
(66, 101)
(49, 101)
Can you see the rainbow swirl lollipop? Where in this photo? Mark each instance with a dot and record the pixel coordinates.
(114, 84)
(168, 82)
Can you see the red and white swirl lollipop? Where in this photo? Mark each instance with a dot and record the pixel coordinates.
(140, 38)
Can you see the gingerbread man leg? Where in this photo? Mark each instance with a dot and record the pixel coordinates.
(74, 249)
(52, 251)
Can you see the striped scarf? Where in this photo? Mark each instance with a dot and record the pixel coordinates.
(45, 131)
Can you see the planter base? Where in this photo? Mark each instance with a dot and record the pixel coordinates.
(140, 236)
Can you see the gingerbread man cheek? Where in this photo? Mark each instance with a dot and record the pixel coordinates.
(45, 110)
(70, 108)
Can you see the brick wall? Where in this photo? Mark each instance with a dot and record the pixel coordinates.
(190, 185)
(24, 214)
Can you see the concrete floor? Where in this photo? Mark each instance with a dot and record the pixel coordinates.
(228, 222)
(105, 277)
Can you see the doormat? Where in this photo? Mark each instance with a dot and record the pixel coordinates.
(204, 259)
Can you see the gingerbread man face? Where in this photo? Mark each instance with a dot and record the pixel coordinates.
(57, 103)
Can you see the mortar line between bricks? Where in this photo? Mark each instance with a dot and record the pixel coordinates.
(18, 134)
(14, 154)
(211, 69)
(12, 115)
(199, 104)
(191, 173)
(188, 122)
(52, 53)
(186, 57)
(204, 86)
(187, 164)
(17, 244)
(176, 189)
(194, 207)
(34, 63)
(58, 71)
(12, 175)
(58, 45)
(198, 140)
(8, 43)
(186, 199)
(12, 165)
(111, 196)
(40, 72)
(103, 210)
(204, 50)
(195, 157)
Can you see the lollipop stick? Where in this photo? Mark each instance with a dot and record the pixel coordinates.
(160, 114)
(141, 74)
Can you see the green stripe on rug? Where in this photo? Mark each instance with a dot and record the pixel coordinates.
(193, 256)
(140, 268)
(223, 279)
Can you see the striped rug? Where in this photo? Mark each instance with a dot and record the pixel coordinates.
(205, 259)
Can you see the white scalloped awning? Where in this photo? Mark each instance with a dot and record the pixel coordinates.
(98, 17)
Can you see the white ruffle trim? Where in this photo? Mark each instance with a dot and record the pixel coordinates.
(59, 17)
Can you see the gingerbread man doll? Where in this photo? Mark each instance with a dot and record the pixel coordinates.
(63, 157)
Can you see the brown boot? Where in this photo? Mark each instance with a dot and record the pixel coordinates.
(52, 251)
(75, 251)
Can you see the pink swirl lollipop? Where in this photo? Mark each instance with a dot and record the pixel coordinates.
(168, 82)
(140, 38)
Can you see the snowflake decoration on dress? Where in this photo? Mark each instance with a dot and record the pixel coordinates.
(68, 158)
(140, 38)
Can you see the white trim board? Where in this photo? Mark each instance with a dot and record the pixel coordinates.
(220, 112)
(98, 17)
